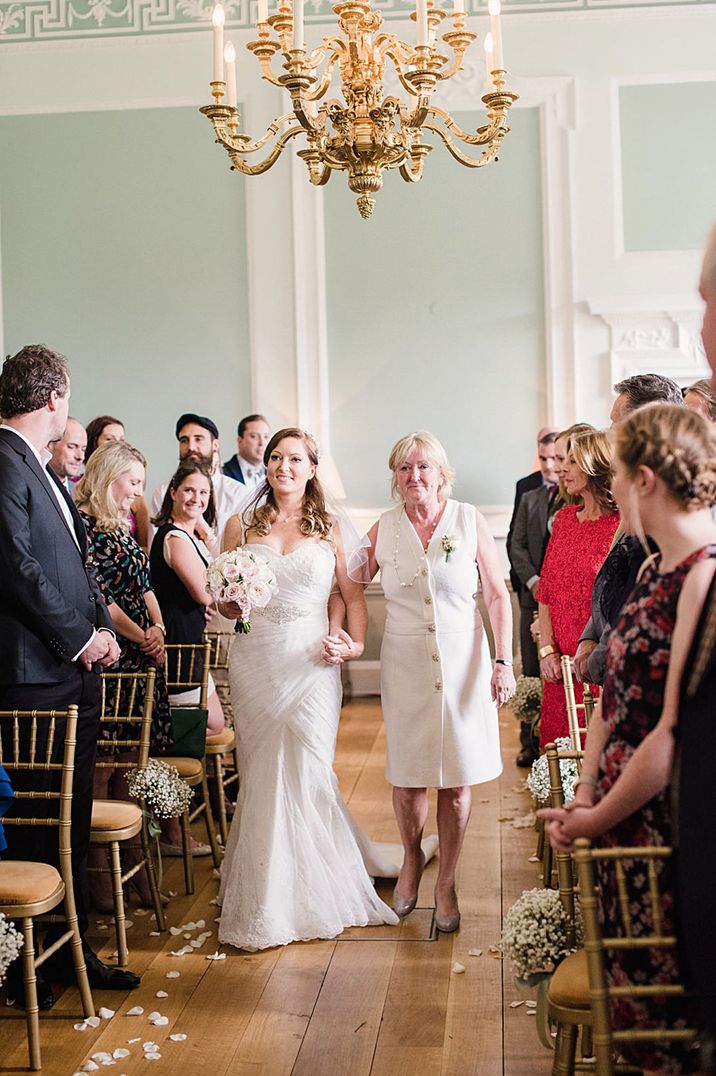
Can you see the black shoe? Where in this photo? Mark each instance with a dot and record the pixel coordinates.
(101, 976)
(525, 758)
(15, 987)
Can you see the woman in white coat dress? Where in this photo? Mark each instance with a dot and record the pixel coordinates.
(439, 690)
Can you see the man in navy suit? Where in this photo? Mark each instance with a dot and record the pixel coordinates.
(55, 628)
(247, 464)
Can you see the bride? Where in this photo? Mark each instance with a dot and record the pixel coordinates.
(293, 868)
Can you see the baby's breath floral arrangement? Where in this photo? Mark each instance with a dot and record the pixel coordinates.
(538, 777)
(526, 702)
(163, 791)
(534, 935)
(11, 942)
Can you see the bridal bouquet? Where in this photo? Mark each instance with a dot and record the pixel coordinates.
(243, 577)
(11, 942)
(534, 935)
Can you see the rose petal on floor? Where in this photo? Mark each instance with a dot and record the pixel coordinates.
(172, 975)
(155, 934)
(92, 1021)
(80, 1027)
(178, 1037)
(120, 1052)
(137, 1010)
(161, 994)
(516, 1004)
(216, 956)
(106, 1014)
(474, 952)
(458, 969)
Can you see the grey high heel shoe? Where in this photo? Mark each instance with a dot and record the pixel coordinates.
(403, 906)
(447, 924)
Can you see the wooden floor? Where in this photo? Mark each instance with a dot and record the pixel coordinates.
(382, 1001)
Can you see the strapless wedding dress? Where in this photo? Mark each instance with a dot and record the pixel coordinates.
(295, 864)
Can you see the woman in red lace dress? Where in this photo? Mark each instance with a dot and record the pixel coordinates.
(581, 538)
(664, 482)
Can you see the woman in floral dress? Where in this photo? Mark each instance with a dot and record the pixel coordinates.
(664, 482)
(581, 537)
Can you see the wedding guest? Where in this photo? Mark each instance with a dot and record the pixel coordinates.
(68, 454)
(701, 397)
(104, 430)
(113, 479)
(247, 464)
(542, 482)
(580, 541)
(438, 684)
(625, 558)
(198, 438)
(664, 482)
(178, 560)
(54, 626)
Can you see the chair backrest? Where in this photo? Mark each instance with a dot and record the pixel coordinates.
(127, 708)
(220, 646)
(601, 993)
(563, 860)
(39, 746)
(577, 732)
(187, 668)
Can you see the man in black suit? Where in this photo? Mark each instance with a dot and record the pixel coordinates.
(247, 464)
(525, 555)
(54, 625)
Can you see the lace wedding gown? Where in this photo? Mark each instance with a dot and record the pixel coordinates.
(293, 868)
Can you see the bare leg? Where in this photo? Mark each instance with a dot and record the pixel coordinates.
(453, 815)
(411, 811)
(216, 721)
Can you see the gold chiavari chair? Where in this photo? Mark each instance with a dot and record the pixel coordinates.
(222, 745)
(187, 665)
(127, 707)
(568, 991)
(607, 1040)
(31, 890)
(577, 732)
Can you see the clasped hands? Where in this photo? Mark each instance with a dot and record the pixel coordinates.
(339, 647)
(577, 818)
(153, 644)
(103, 650)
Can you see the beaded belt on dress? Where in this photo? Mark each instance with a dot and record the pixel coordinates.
(281, 614)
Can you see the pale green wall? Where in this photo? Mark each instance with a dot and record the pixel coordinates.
(668, 132)
(435, 318)
(123, 247)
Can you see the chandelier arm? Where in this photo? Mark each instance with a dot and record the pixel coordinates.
(244, 145)
(398, 65)
(323, 85)
(412, 174)
(484, 135)
(388, 44)
(488, 155)
(455, 66)
(257, 169)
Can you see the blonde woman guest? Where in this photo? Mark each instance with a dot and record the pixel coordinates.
(701, 397)
(294, 867)
(581, 538)
(438, 686)
(664, 482)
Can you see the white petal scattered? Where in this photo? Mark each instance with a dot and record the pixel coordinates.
(150, 1047)
(153, 1015)
(161, 994)
(92, 1021)
(533, 1012)
(187, 935)
(137, 1010)
(161, 1021)
(190, 926)
(154, 934)
(141, 911)
(218, 919)
(197, 943)
(531, 1004)
(200, 924)
(90, 1066)
(183, 951)
(9, 1002)
(106, 1014)
(172, 893)
(178, 1037)
(172, 975)
(132, 1041)
(216, 873)
(120, 1052)
(101, 1056)
(80, 1027)
(458, 969)
(213, 901)
(128, 924)
(533, 859)
(175, 931)
(216, 956)
(474, 952)
(516, 1004)
(102, 926)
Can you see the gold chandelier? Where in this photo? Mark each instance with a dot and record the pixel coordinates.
(365, 132)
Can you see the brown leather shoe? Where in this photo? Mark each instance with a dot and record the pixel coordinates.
(525, 758)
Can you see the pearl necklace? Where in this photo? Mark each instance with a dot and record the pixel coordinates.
(396, 546)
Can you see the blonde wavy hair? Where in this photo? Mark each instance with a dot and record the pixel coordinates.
(566, 436)
(93, 494)
(678, 445)
(593, 453)
(434, 453)
(316, 520)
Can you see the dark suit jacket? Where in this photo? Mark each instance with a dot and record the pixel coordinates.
(49, 599)
(232, 468)
(532, 481)
(527, 546)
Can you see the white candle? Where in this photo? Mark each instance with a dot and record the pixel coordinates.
(298, 24)
(421, 11)
(489, 59)
(262, 11)
(458, 7)
(493, 7)
(230, 61)
(217, 19)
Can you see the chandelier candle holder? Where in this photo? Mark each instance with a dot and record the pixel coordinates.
(366, 132)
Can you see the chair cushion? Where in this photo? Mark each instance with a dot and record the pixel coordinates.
(115, 814)
(189, 768)
(569, 986)
(27, 883)
(217, 742)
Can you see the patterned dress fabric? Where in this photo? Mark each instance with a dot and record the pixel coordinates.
(122, 571)
(294, 866)
(637, 665)
(575, 553)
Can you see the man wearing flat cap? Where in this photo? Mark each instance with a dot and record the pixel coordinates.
(198, 437)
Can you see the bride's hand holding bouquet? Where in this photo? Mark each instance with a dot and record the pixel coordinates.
(241, 580)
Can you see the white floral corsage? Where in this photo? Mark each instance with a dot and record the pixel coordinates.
(449, 545)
